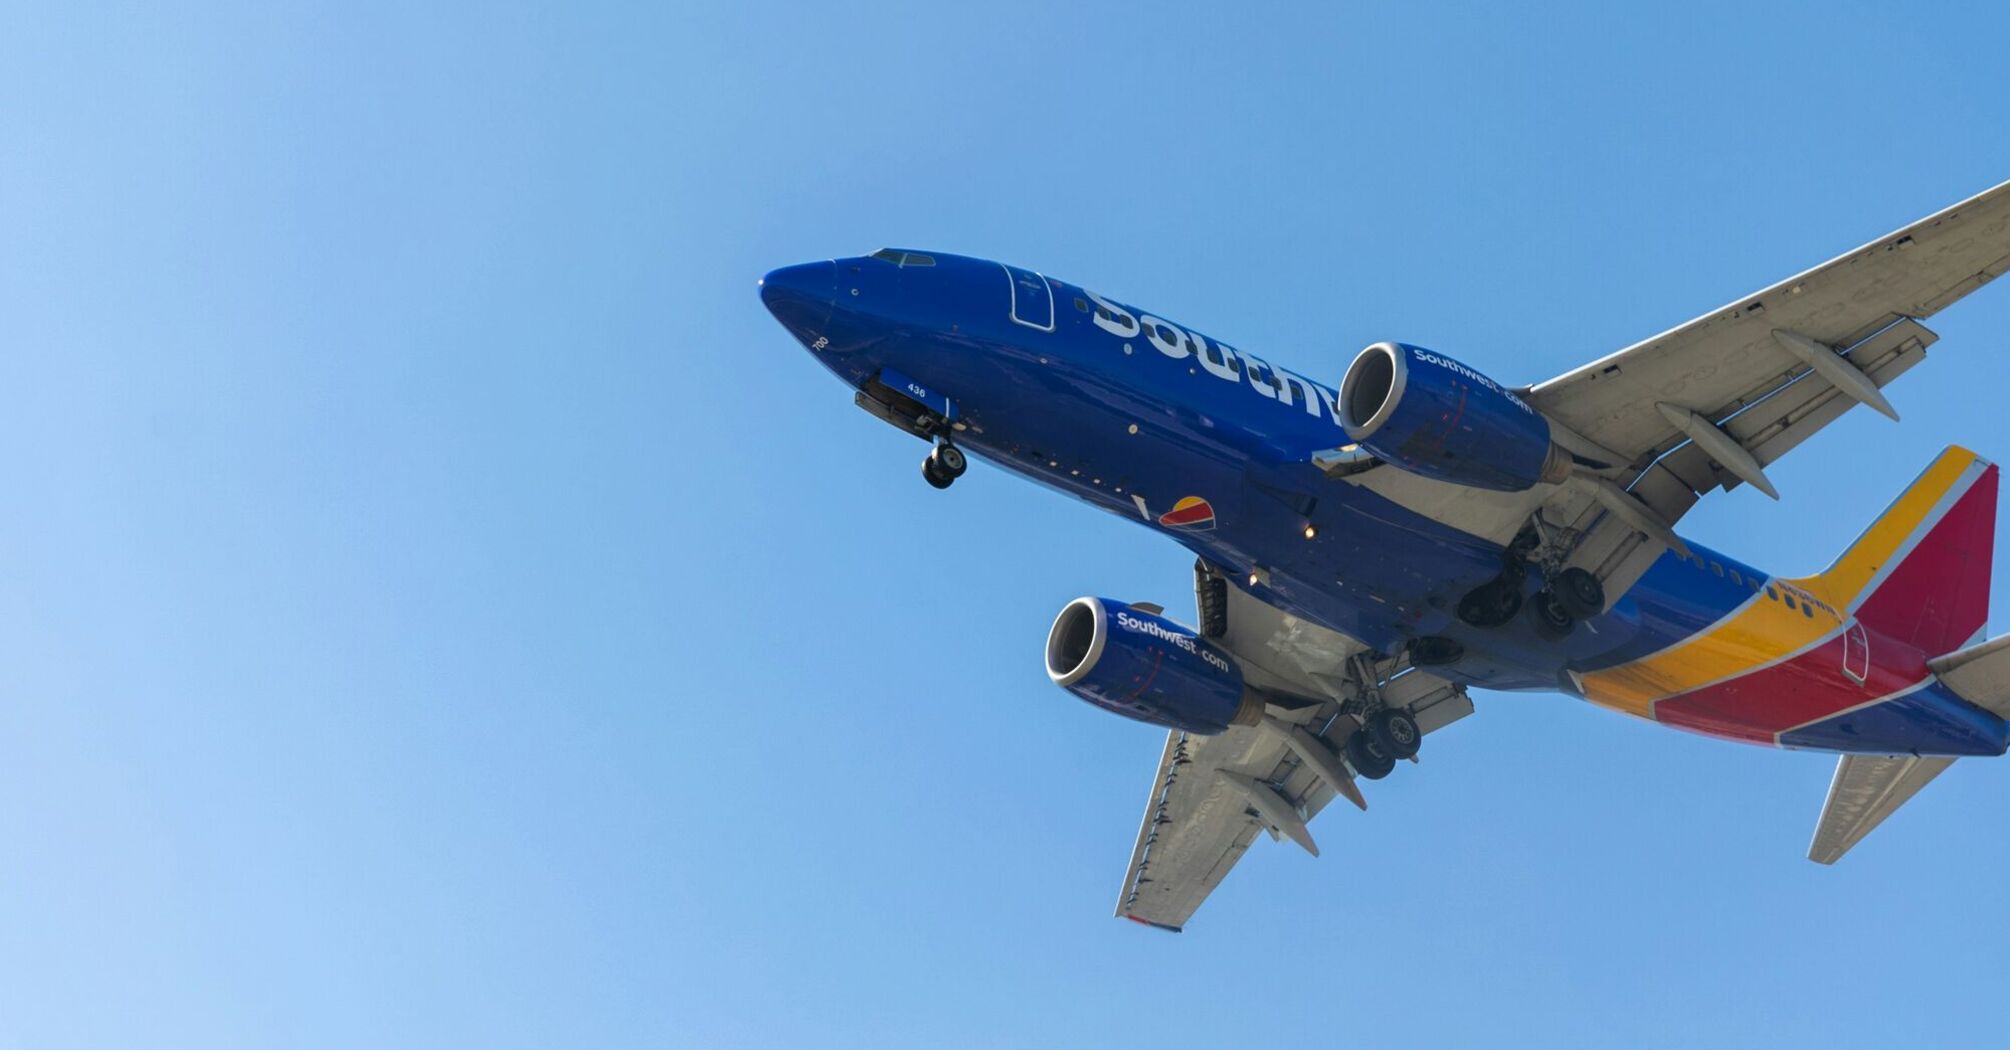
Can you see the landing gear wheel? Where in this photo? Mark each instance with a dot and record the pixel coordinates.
(934, 476)
(1367, 756)
(1491, 604)
(950, 460)
(1395, 733)
(1579, 592)
(1551, 620)
(944, 465)
(1435, 651)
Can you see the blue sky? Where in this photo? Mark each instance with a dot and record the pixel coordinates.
(440, 607)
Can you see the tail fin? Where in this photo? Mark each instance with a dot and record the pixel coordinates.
(1920, 573)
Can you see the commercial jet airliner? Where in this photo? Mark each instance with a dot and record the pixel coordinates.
(1366, 554)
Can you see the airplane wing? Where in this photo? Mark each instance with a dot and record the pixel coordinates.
(1710, 403)
(1212, 795)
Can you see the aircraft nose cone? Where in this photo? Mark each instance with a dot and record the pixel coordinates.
(801, 296)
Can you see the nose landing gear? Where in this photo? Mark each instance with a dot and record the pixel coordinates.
(944, 465)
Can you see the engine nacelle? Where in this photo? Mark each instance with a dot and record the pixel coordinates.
(1433, 416)
(1147, 667)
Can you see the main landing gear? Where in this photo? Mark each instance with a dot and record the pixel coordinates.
(1570, 596)
(944, 465)
(1389, 737)
(1567, 596)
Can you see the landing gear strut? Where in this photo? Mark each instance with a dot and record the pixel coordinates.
(944, 465)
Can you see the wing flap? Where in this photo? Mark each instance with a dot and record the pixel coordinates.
(1771, 423)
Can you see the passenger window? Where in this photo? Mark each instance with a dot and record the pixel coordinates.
(1754, 581)
(1717, 567)
(1736, 579)
(1771, 593)
(1807, 610)
(1788, 597)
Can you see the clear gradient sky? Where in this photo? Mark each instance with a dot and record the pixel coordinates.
(439, 607)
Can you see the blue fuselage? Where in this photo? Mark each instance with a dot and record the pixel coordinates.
(1138, 415)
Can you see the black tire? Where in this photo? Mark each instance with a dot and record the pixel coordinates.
(1395, 733)
(933, 475)
(1435, 651)
(1491, 604)
(1367, 757)
(1579, 592)
(1551, 620)
(950, 461)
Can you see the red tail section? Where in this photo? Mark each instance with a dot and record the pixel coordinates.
(1920, 573)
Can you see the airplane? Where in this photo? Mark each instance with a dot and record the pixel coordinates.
(1366, 554)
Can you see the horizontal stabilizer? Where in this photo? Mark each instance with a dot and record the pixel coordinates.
(1867, 789)
(1979, 674)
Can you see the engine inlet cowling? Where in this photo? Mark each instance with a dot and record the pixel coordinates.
(1146, 667)
(1433, 416)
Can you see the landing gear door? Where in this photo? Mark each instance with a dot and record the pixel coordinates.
(1032, 298)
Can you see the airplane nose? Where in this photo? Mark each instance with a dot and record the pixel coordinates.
(801, 296)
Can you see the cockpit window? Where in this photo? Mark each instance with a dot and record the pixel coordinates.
(899, 258)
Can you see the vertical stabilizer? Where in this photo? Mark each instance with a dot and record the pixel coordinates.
(1918, 576)
(1920, 573)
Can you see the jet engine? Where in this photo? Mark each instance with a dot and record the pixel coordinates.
(1143, 666)
(1433, 416)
